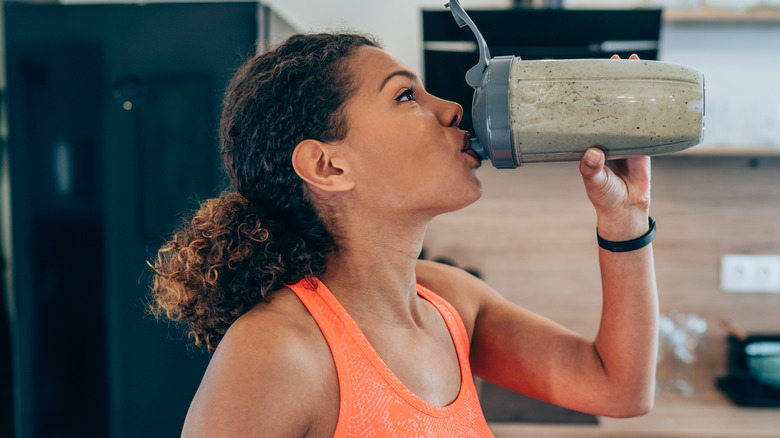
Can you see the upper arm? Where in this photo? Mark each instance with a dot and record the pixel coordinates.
(514, 347)
(533, 355)
(263, 380)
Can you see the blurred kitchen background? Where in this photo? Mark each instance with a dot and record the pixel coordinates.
(108, 128)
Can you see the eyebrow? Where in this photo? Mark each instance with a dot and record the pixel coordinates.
(404, 73)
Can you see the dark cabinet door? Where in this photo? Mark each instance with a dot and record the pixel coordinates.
(112, 115)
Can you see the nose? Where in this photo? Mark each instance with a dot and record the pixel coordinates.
(449, 113)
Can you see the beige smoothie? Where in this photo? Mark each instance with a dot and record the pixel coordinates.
(560, 108)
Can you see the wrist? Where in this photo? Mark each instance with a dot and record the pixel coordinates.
(619, 228)
(628, 245)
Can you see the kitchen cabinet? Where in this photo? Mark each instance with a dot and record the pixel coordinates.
(766, 15)
(730, 151)
(112, 115)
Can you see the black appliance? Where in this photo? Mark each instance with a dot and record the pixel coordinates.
(739, 383)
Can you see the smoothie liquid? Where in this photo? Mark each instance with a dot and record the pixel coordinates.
(559, 108)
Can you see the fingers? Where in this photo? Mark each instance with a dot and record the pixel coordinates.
(603, 189)
(633, 56)
(592, 166)
(638, 163)
(638, 168)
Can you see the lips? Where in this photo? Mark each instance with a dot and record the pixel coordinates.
(474, 155)
(468, 151)
(466, 142)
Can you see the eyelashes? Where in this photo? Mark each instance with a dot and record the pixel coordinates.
(406, 96)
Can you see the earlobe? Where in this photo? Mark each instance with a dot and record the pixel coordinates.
(313, 161)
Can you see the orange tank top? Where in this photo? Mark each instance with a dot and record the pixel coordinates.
(373, 401)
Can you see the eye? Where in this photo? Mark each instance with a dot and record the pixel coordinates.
(406, 96)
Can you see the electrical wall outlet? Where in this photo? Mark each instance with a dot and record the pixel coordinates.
(750, 273)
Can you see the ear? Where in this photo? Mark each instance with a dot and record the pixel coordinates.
(314, 162)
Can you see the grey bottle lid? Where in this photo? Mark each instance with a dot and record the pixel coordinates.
(490, 114)
(490, 107)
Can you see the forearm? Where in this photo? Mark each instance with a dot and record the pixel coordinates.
(627, 337)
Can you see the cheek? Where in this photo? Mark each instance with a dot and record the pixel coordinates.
(394, 144)
(421, 143)
(400, 150)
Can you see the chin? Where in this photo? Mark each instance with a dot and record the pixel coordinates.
(476, 197)
(476, 187)
(469, 197)
(460, 194)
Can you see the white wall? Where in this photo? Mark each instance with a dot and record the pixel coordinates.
(396, 23)
(741, 65)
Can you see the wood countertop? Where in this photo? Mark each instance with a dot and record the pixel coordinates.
(708, 414)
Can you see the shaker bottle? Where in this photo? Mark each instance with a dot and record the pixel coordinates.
(554, 110)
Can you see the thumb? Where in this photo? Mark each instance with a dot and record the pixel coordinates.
(592, 167)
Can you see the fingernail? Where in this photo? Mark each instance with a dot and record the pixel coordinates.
(592, 158)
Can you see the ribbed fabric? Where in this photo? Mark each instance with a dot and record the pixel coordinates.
(373, 402)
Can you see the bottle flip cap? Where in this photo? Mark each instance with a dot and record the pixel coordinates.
(490, 107)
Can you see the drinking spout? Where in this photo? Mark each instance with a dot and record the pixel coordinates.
(477, 147)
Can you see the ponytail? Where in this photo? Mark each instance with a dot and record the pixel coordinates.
(237, 249)
(223, 261)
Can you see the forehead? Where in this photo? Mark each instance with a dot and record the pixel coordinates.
(371, 66)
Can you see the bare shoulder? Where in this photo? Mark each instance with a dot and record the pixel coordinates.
(271, 375)
(464, 291)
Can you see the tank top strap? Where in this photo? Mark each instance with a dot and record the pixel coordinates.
(358, 356)
(320, 307)
(373, 401)
(455, 325)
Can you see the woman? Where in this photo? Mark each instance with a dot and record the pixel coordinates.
(304, 280)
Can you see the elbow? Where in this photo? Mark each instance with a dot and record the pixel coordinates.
(635, 407)
(635, 411)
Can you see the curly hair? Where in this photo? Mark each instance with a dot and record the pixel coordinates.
(264, 232)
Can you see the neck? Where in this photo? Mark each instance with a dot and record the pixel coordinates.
(373, 272)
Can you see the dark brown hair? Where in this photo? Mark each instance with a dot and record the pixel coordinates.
(264, 232)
